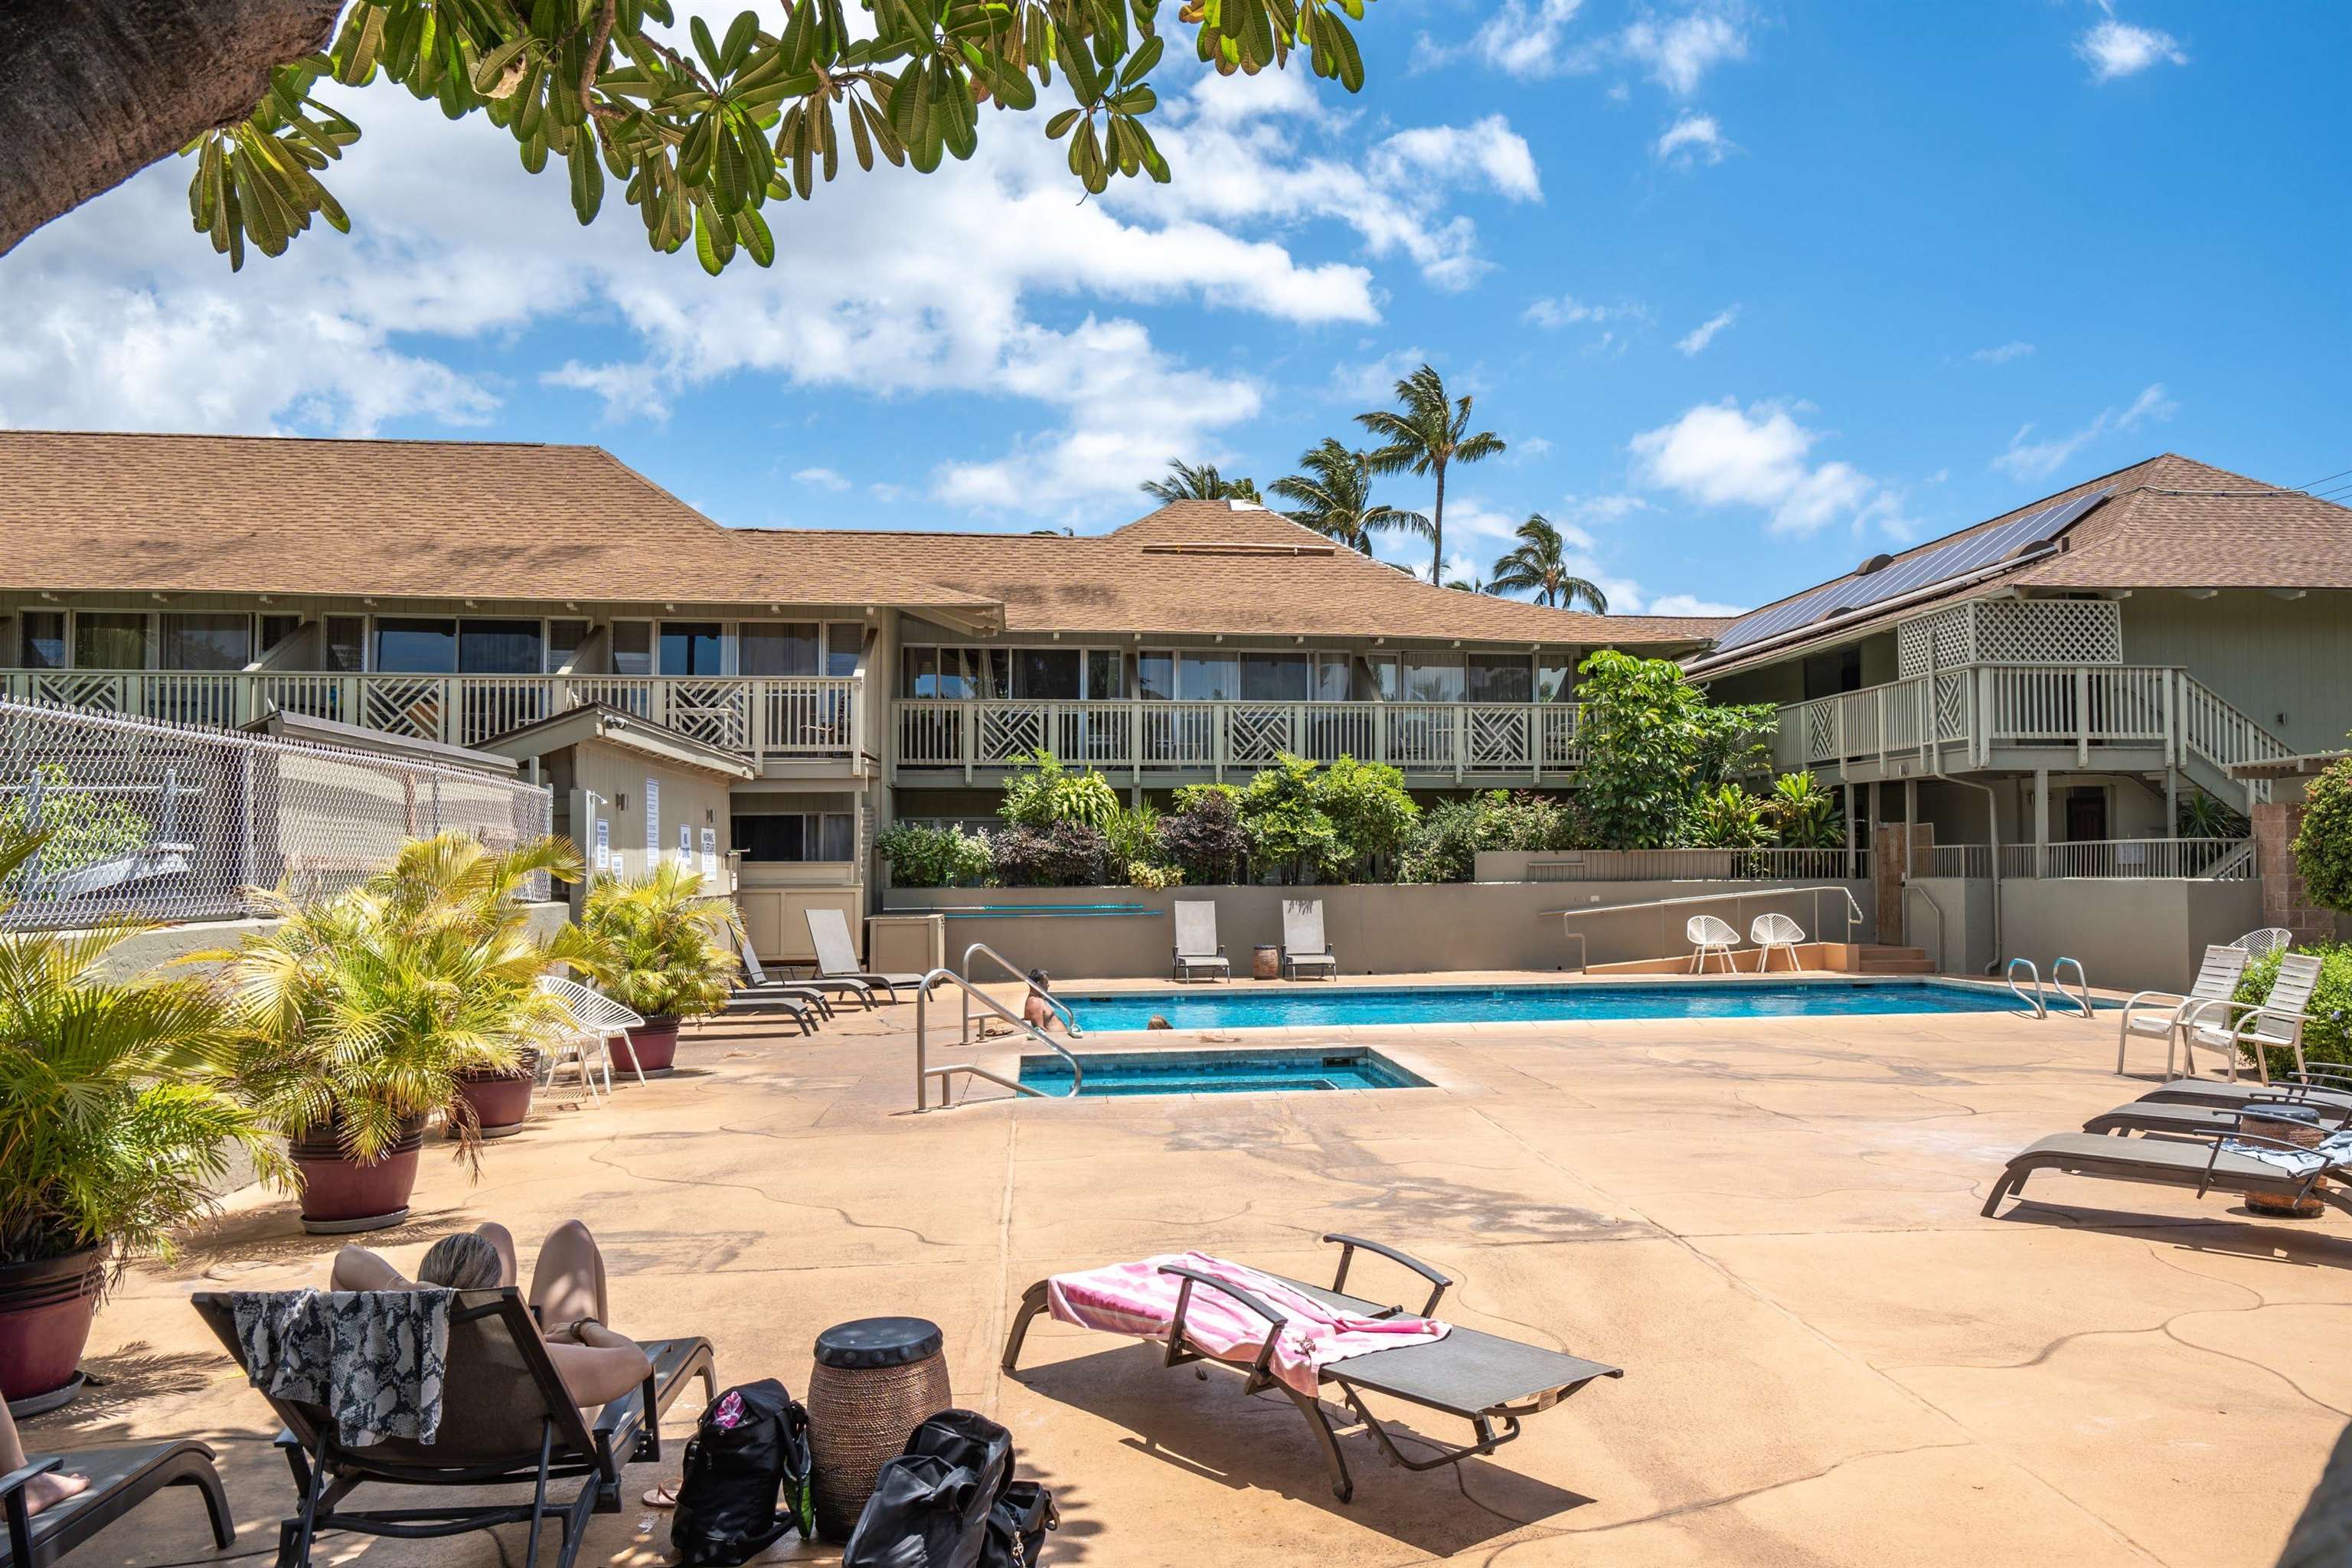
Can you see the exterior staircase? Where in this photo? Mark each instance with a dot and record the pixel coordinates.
(1880, 958)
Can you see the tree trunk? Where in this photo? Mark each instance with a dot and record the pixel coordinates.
(1437, 532)
(91, 91)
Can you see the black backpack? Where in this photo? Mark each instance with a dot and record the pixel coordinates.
(1017, 1526)
(747, 1478)
(933, 1505)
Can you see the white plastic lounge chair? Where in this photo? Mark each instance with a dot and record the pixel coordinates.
(2233, 1027)
(1303, 946)
(1776, 932)
(1711, 937)
(1197, 952)
(600, 1019)
(836, 954)
(2263, 942)
(2156, 1014)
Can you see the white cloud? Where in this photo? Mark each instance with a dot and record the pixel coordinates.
(2114, 49)
(1556, 311)
(1690, 604)
(2002, 355)
(1694, 341)
(1692, 139)
(1681, 50)
(1374, 381)
(1602, 510)
(821, 480)
(1526, 40)
(2027, 459)
(1718, 454)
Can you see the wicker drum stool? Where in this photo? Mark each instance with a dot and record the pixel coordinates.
(874, 1381)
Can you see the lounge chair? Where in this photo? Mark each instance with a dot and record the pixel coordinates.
(1481, 1378)
(1197, 952)
(837, 956)
(1710, 936)
(506, 1421)
(2273, 1024)
(121, 1479)
(600, 1019)
(2179, 1120)
(1303, 945)
(2320, 1089)
(2263, 942)
(1776, 932)
(760, 986)
(2158, 1014)
(2202, 1164)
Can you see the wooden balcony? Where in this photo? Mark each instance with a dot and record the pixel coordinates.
(942, 740)
(767, 720)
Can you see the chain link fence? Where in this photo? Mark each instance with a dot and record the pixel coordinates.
(177, 822)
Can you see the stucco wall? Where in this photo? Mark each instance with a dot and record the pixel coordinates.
(1374, 929)
(2131, 933)
(1965, 946)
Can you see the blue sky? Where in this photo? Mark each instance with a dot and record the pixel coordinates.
(1751, 291)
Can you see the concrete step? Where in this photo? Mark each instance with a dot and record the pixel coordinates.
(1895, 961)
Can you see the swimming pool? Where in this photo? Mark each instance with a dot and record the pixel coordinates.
(1311, 1068)
(1208, 1007)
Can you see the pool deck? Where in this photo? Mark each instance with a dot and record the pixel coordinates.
(1771, 1223)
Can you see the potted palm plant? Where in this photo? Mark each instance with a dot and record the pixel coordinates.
(663, 948)
(365, 1013)
(117, 1128)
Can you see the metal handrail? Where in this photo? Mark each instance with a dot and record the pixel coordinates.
(2083, 999)
(925, 1072)
(1853, 910)
(2009, 975)
(1910, 888)
(1069, 1019)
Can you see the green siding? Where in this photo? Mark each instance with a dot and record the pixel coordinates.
(2285, 663)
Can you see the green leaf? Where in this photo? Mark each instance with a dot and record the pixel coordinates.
(753, 230)
(1140, 62)
(494, 65)
(587, 179)
(703, 46)
(740, 37)
(1061, 123)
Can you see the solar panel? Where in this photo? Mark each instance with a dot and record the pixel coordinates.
(1957, 559)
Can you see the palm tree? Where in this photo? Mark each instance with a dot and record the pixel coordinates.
(1334, 498)
(1187, 482)
(1424, 436)
(1538, 562)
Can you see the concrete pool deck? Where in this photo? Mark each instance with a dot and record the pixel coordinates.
(1771, 1223)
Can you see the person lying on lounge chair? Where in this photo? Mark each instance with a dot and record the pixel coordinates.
(42, 1491)
(567, 1298)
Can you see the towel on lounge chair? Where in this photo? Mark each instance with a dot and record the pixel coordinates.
(1138, 1298)
(373, 1359)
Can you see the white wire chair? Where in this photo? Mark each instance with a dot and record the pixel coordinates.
(1710, 935)
(1776, 932)
(596, 1017)
(2263, 942)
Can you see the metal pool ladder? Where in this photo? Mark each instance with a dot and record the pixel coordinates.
(2080, 996)
(2040, 1008)
(925, 1072)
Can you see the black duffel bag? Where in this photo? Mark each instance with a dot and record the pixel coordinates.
(1017, 1526)
(747, 1478)
(931, 1506)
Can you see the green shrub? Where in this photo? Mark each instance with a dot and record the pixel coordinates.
(1445, 843)
(1289, 832)
(1063, 855)
(1133, 833)
(76, 828)
(923, 856)
(2201, 815)
(1049, 793)
(1652, 743)
(1803, 815)
(1202, 835)
(1145, 874)
(1370, 811)
(2327, 1028)
(2323, 847)
(1725, 817)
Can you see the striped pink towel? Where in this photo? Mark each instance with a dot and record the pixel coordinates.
(1137, 1299)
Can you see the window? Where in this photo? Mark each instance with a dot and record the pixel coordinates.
(1208, 677)
(777, 647)
(1499, 678)
(1828, 674)
(205, 642)
(844, 641)
(1047, 674)
(1333, 679)
(692, 647)
(1106, 674)
(792, 836)
(957, 673)
(563, 642)
(1155, 675)
(347, 644)
(499, 648)
(1432, 677)
(413, 646)
(110, 640)
(1381, 676)
(1556, 680)
(276, 630)
(1274, 677)
(41, 640)
(633, 648)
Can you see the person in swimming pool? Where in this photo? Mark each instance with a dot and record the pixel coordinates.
(1035, 1010)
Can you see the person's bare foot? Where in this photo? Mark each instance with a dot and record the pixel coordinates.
(49, 1491)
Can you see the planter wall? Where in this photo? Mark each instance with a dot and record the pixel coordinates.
(45, 1308)
(340, 1195)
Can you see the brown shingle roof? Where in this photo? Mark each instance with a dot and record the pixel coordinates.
(1194, 567)
(244, 514)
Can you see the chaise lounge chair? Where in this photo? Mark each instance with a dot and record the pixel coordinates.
(506, 1420)
(759, 987)
(1482, 1379)
(1303, 944)
(2158, 1014)
(1197, 953)
(2318, 1088)
(121, 1479)
(2257, 1029)
(2201, 1164)
(2181, 1120)
(836, 956)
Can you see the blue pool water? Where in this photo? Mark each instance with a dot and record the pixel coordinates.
(1208, 1007)
(1221, 1072)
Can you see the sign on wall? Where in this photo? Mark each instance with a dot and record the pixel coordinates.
(685, 846)
(604, 844)
(653, 821)
(710, 854)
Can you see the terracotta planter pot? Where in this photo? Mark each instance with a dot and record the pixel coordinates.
(340, 1195)
(45, 1308)
(653, 1047)
(501, 1101)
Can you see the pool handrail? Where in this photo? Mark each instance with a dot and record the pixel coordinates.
(925, 1072)
(1909, 888)
(1069, 1019)
(1853, 909)
(2009, 977)
(2082, 976)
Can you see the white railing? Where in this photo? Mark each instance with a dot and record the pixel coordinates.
(1467, 739)
(763, 717)
(1697, 865)
(1952, 860)
(2200, 859)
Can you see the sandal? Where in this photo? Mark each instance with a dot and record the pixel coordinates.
(664, 1495)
